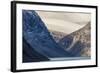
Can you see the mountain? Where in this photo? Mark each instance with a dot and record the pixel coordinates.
(39, 38)
(30, 55)
(77, 43)
(41, 44)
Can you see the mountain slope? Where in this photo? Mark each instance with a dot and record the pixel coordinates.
(38, 37)
(30, 55)
(77, 43)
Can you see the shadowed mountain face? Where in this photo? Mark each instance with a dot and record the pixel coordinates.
(38, 37)
(30, 55)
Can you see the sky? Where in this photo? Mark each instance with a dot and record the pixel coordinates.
(66, 22)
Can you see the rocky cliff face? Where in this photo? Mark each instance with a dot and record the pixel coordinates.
(84, 36)
(77, 42)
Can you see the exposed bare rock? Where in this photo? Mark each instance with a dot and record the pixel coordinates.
(78, 41)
